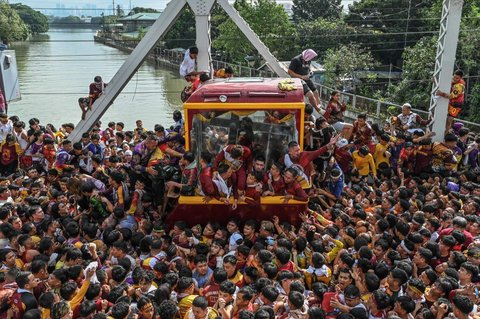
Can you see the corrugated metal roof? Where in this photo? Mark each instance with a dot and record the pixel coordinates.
(142, 16)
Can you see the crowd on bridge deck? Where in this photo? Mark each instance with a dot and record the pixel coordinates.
(392, 228)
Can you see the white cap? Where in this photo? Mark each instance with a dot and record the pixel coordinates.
(342, 143)
(407, 105)
(128, 153)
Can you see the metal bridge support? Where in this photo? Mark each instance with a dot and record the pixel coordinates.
(202, 10)
(444, 65)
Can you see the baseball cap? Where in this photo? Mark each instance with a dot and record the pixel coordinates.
(128, 153)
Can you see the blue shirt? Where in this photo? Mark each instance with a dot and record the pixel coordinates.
(202, 281)
(336, 187)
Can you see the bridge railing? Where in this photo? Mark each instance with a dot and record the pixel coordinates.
(377, 110)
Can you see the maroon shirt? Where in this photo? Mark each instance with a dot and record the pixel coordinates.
(211, 294)
(306, 157)
(296, 190)
(206, 183)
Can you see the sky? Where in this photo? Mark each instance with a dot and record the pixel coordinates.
(156, 4)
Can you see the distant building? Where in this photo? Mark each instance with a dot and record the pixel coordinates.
(140, 20)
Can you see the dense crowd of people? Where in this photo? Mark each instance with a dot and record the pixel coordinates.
(392, 228)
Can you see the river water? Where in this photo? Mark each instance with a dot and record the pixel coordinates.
(56, 68)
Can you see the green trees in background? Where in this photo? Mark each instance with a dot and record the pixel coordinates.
(270, 22)
(35, 20)
(18, 21)
(310, 10)
(12, 27)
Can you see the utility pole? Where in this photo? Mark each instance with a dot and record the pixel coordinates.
(113, 7)
(444, 64)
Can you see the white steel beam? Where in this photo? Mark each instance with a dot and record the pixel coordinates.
(444, 64)
(202, 10)
(272, 62)
(129, 67)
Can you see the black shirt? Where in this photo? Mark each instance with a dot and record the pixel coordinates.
(299, 66)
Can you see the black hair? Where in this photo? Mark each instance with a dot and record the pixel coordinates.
(219, 275)
(296, 299)
(463, 304)
(120, 310)
(119, 273)
(228, 287)
(67, 290)
(87, 307)
(167, 309)
(200, 302)
(270, 293)
(22, 279)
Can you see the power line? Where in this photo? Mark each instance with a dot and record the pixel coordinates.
(276, 37)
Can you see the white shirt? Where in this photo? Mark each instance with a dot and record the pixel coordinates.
(188, 65)
(21, 140)
(5, 129)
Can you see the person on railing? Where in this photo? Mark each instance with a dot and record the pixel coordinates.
(189, 64)
(96, 89)
(456, 98)
(300, 68)
(334, 115)
(409, 121)
(224, 73)
(362, 133)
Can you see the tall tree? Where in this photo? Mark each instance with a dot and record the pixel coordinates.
(418, 69)
(182, 34)
(12, 27)
(343, 61)
(309, 10)
(142, 10)
(396, 23)
(276, 31)
(36, 21)
(323, 34)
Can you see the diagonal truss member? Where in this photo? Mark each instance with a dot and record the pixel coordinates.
(202, 10)
(444, 64)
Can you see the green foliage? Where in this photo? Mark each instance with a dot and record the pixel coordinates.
(321, 34)
(12, 26)
(310, 10)
(72, 20)
(342, 61)
(474, 104)
(269, 21)
(418, 70)
(401, 25)
(182, 34)
(141, 33)
(36, 21)
(142, 10)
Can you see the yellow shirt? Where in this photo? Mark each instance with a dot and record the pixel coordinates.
(238, 277)
(211, 314)
(77, 299)
(379, 155)
(186, 304)
(364, 165)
